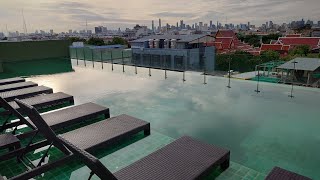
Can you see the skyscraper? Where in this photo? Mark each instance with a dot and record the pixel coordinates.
(181, 24)
(210, 26)
(159, 24)
(152, 26)
(200, 25)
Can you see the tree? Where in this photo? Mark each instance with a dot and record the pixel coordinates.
(253, 40)
(96, 41)
(266, 39)
(301, 50)
(118, 40)
(76, 39)
(270, 55)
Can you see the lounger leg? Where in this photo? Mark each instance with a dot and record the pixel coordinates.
(107, 115)
(147, 131)
(225, 164)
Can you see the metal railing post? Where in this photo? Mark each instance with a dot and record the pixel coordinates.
(84, 57)
(77, 56)
(101, 59)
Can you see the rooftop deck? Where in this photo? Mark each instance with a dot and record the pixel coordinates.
(261, 130)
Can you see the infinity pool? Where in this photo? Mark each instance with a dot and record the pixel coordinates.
(261, 130)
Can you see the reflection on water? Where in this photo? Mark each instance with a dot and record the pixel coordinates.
(261, 130)
(36, 67)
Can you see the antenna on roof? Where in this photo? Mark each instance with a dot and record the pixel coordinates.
(24, 24)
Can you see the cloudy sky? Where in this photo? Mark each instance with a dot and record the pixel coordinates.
(62, 15)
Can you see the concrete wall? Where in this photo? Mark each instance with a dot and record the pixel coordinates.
(210, 60)
(32, 50)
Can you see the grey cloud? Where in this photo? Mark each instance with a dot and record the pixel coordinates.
(174, 14)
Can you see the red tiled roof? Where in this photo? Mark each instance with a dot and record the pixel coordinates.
(225, 33)
(273, 41)
(286, 47)
(313, 42)
(293, 35)
(224, 43)
(274, 47)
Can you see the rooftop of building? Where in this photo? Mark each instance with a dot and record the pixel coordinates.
(179, 38)
(305, 64)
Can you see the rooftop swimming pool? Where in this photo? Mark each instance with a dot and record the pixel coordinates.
(261, 130)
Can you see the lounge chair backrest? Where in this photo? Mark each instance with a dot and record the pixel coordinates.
(41, 125)
(8, 107)
(92, 162)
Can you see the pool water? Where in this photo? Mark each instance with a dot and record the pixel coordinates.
(261, 130)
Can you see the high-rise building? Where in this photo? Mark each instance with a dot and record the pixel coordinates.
(200, 25)
(51, 31)
(181, 24)
(210, 25)
(70, 31)
(248, 25)
(160, 25)
(100, 30)
(205, 26)
(177, 25)
(270, 24)
(152, 26)
(319, 23)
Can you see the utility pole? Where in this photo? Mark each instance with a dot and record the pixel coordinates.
(294, 68)
(229, 73)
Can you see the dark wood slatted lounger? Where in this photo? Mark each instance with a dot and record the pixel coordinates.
(278, 173)
(184, 158)
(42, 101)
(56, 120)
(25, 93)
(73, 115)
(15, 86)
(106, 132)
(11, 80)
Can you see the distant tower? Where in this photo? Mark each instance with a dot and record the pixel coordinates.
(159, 24)
(24, 24)
(86, 26)
(152, 26)
(210, 24)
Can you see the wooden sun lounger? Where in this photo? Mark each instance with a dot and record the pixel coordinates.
(25, 93)
(278, 173)
(11, 80)
(15, 86)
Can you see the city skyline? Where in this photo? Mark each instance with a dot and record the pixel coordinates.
(62, 15)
